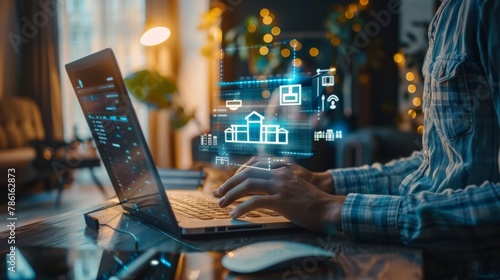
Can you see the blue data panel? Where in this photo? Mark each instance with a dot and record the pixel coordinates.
(268, 114)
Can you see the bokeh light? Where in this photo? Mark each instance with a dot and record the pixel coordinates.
(417, 101)
(412, 114)
(313, 52)
(268, 38)
(285, 52)
(399, 58)
(263, 50)
(276, 31)
(266, 94)
(412, 88)
(420, 129)
(251, 28)
(298, 62)
(267, 20)
(410, 76)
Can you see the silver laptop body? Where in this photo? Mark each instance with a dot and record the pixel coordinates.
(108, 110)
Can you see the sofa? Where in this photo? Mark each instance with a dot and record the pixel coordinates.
(20, 126)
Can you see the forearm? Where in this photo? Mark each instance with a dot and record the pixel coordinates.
(437, 221)
(377, 178)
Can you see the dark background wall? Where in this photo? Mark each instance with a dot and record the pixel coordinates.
(375, 101)
(10, 60)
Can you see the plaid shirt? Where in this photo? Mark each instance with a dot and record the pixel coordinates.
(445, 198)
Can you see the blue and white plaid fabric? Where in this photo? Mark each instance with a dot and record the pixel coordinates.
(445, 198)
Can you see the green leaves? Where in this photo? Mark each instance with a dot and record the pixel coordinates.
(158, 92)
(149, 87)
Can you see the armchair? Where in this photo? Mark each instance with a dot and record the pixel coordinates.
(20, 125)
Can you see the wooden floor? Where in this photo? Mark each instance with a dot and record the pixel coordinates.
(81, 193)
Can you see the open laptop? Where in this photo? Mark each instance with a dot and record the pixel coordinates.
(106, 105)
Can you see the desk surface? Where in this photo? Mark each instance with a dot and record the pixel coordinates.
(353, 260)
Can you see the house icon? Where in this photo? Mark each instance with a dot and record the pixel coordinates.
(255, 131)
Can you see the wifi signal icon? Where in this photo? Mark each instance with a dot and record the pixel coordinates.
(332, 99)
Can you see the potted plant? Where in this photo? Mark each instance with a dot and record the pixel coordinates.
(159, 92)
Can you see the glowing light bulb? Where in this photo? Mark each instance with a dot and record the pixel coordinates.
(155, 36)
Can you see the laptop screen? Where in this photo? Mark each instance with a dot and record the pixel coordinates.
(116, 131)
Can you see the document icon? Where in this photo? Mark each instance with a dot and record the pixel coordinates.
(222, 160)
(290, 95)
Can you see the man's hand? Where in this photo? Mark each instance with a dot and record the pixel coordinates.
(285, 192)
(322, 180)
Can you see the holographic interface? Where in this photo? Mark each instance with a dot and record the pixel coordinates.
(114, 127)
(269, 114)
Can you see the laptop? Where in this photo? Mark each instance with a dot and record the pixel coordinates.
(108, 110)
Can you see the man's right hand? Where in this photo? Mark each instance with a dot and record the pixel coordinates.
(321, 180)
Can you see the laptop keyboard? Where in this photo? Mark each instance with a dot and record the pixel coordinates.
(204, 209)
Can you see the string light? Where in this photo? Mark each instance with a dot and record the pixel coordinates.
(412, 88)
(267, 20)
(417, 101)
(285, 52)
(410, 76)
(420, 129)
(313, 52)
(399, 58)
(268, 38)
(263, 50)
(266, 94)
(276, 31)
(335, 42)
(353, 7)
(364, 78)
(412, 114)
(298, 62)
(349, 14)
(251, 28)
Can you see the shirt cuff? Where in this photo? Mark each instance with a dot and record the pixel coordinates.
(368, 217)
(342, 179)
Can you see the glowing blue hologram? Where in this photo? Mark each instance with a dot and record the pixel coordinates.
(332, 99)
(327, 135)
(291, 95)
(338, 134)
(222, 160)
(234, 105)
(208, 140)
(256, 132)
(327, 81)
(255, 82)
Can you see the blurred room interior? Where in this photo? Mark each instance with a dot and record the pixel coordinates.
(376, 47)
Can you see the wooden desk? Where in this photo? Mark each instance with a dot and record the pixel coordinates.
(353, 260)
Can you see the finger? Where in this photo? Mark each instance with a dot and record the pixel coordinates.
(250, 162)
(240, 177)
(255, 202)
(249, 186)
(256, 161)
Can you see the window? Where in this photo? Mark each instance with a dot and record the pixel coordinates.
(87, 26)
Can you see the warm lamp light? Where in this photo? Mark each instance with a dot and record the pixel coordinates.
(155, 36)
